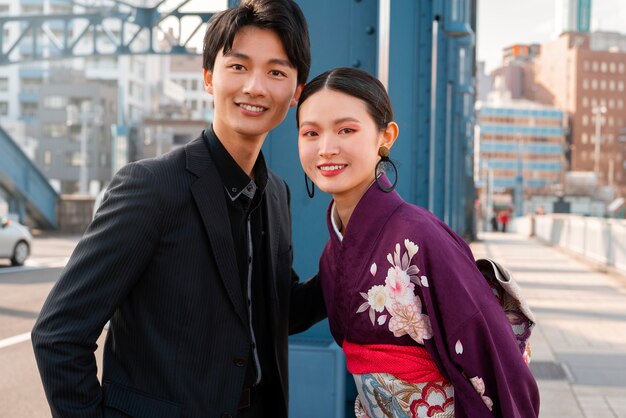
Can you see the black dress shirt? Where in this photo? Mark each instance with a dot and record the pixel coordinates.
(245, 199)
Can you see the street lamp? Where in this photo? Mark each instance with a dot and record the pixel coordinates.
(598, 111)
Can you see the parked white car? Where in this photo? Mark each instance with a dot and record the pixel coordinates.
(15, 241)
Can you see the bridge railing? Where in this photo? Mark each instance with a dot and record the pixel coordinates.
(597, 239)
(23, 181)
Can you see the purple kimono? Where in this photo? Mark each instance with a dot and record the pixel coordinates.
(401, 276)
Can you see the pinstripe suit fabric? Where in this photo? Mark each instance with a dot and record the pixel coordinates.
(158, 260)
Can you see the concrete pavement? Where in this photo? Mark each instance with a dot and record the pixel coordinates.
(579, 343)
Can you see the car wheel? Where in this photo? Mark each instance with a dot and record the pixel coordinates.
(20, 253)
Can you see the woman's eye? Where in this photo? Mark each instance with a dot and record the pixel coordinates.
(309, 133)
(346, 130)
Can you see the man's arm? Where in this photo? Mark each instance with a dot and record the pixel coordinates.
(307, 305)
(107, 262)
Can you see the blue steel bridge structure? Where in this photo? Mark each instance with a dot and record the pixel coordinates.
(422, 50)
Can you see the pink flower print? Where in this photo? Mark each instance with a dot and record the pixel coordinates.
(407, 319)
(398, 285)
(479, 385)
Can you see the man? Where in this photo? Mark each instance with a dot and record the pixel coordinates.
(190, 254)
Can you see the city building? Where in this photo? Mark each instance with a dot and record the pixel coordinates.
(572, 16)
(585, 76)
(519, 151)
(75, 120)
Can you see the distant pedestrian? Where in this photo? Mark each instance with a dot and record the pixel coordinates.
(494, 222)
(503, 218)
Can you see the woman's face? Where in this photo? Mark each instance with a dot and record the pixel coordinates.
(338, 143)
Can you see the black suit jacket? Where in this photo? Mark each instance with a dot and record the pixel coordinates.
(159, 261)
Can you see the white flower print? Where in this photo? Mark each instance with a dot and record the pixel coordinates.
(411, 248)
(458, 347)
(398, 297)
(373, 269)
(377, 298)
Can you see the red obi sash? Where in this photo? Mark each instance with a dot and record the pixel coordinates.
(410, 363)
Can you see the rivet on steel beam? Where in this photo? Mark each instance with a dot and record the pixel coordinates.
(356, 63)
(370, 30)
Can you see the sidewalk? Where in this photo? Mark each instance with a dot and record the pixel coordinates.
(579, 343)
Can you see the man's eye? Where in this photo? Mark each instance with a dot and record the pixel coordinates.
(237, 67)
(277, 73)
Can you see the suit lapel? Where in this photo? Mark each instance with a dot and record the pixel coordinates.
(208, 193)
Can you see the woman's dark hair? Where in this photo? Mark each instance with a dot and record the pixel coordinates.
(282, 16)
(355, 83)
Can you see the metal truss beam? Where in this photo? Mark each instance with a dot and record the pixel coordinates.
(118, 28)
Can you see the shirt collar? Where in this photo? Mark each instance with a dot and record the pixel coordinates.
(336, 221)
(235, 180)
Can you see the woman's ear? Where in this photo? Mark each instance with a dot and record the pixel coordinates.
(389, 135)
(207, 76)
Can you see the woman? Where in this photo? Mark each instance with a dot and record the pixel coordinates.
(422, 333)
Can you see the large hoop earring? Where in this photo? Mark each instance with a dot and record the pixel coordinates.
(381, 167)
(310, 191)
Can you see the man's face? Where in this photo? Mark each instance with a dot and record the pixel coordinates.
(253, 86)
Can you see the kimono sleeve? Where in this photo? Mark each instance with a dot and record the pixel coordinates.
(472, 339)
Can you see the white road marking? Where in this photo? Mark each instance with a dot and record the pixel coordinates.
(7, 342)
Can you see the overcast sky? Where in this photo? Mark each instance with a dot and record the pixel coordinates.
(505, 22)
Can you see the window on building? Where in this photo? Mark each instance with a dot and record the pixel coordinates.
(32, 9)
(620, 86)
(620, 68)
(4, 108)
(611, 121)
(612, 67)
(4, 9)
(620, 104)
(585, 101)
(585, 65)
(585, 83)
(611, 104)
(612, 85)
(594, 66)
(47, 158)
(194, 85)
(74, 159)
(55, 130)
(104, 158)
(594, 102)
(4, 83)
(603, 67)
(584, 138)
(55, 102)
(585, 120)
(29, 109)
(32, 85)
(594, 84)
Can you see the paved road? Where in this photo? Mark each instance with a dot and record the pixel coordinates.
(579, 344)
(22, 292)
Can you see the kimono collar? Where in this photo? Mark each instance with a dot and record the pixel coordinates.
(369, 217)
